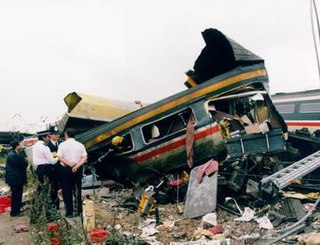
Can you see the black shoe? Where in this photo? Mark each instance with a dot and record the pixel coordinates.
(69, 216)
(17, 215)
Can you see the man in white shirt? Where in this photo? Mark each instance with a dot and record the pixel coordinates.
(43, 162)
(72, 155)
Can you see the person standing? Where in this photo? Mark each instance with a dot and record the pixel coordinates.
(53, 146)
(43, 162)
(72, 155)
(42, 158)
(54, 140)
(15, 177)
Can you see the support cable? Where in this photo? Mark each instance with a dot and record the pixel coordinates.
(313, 9)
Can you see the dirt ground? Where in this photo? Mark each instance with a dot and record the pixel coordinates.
(8, 225)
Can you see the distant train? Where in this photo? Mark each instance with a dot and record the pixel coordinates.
(299, 109)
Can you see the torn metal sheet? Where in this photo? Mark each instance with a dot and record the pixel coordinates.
(201, 197)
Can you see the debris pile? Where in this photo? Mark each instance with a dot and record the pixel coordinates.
(233, 221)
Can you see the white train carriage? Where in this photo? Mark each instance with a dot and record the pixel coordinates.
(299, 109)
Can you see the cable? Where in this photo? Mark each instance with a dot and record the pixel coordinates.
(317, 18)
(313, 8)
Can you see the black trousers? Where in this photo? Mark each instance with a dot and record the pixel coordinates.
(71, 190)
(47, 172)
(56, 185)
(16, 199)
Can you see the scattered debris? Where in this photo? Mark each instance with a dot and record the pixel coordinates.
(5, 203)
(21, 228)
(210, 218)
(247, 215)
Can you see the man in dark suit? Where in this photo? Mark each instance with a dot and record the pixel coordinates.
(16, 167)
(53, 146)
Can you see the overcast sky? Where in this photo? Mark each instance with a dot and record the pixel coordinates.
(137, 49)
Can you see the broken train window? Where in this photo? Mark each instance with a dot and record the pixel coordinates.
(243, 112)
(167, 126)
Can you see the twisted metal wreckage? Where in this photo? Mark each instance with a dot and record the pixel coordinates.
(226, 114)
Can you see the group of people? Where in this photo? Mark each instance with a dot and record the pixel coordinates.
(56, 164)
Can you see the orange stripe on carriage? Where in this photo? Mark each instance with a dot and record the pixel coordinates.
(175, 145)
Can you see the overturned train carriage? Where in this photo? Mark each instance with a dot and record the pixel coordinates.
(228, 116)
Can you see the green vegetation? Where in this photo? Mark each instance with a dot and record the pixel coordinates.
(48, 224)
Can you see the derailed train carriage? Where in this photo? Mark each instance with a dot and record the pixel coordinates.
(226, 114)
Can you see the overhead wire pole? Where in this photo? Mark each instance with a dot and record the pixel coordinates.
(313, 8)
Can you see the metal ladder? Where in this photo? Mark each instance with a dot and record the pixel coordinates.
(286, 176)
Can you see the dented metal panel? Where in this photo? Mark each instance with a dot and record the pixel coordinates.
(201, 197)
(97, 108)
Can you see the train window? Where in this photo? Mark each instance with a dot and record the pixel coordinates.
(166, 126)
(285, 108)
(309, 107)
